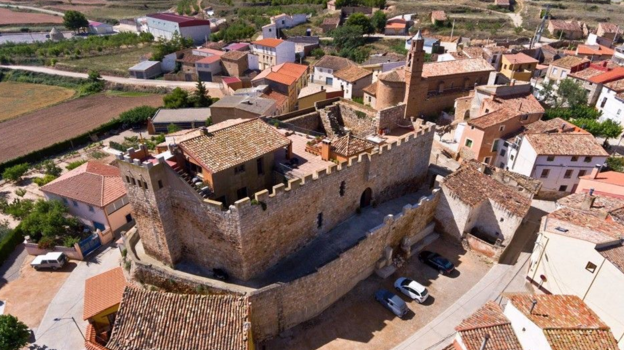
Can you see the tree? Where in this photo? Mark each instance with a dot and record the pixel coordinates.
(75, 20)
(567, 94)
(49, 168)
(14, 334)
(348, 37)
(94, 76)
(607, 129)
(317, 53)
(47, 219)
(138, 115)
(178, 98)
(378, 21)
(360, 20)
(15, 172)
(165, 47)
(209, 121)
(171, 128)
(616, 163)
(200, 97)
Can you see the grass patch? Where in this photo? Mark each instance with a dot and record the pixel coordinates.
(116, 64)
(127, 93)
(19, 98)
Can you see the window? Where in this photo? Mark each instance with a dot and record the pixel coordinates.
(260, 166)
(486, 160)
(468, 143)
(99, 226)
(545, 173)
(568, 174)
(501, 165)
(554, 71)
(563, 188)
(603, 103)
(342, 188)
(91, 209)
(241, 193)
(160, 185)
(319, 220)
(495, 146)
(127, 179)
(591, 267)
(75, 203)
(550, 158)
(503, 152)
(582, 173)
(524, 117)
(512, 157)
(239, 169)
(133, 182)
(587, 159)
(505, 67)
(618, 112)
(65, 201)
(574, 158)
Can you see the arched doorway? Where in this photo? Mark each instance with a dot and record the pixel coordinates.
(365, 199)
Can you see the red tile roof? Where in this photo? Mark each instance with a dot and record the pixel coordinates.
(268, 42)
(438, 15)
(168, 321)
(594, 50)
(352, 74)
(566, 144)
(615, 254)
(103, 291)
(349, 145)
(209, 59)
(520, 58)
(504, 109)
(612, 177)
(612, 75)
(488, 320)
(92, 183)
(182, 21)
(569, 61)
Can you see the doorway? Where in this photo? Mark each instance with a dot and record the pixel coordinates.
(365, 199)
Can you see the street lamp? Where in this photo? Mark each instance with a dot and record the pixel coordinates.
(71, 318)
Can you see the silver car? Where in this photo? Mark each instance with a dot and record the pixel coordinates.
(54, 261)
(412, 289)
(392, 302)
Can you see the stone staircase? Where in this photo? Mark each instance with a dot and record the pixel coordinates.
(198, 186)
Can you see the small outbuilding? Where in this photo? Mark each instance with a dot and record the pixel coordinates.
(146, 70)
(100, 28)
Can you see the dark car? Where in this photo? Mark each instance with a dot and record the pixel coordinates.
(436, 261)
(392, 302)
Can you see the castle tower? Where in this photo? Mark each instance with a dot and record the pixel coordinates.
(415, 85)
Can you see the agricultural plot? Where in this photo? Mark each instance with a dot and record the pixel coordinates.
(11, 17)
(20, 98)
(36, 130)
(114, 64)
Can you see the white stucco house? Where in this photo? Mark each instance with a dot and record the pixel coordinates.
(164, 25)
(283, 21)
(271, 52)
(94, 193)
(555, 152)
(100, 28)
(579, 251)
(611, 101)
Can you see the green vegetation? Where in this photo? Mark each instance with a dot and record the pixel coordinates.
(137, 115)
(362, 21)
(378, 21)
(179, 98)
(235, 32)
(171, 128)
(116, 64)
(49, 168)
(370, 3)
(74, 20)
(349, 41)
(616, 163)
(83, 86)
(46, 179)
(17, 209)
(134, 142)
(49, 219)
(187, 7)
(15, 172)
(318, 53)
(14, 334)
(163, 48)
(608, 128)
(75, 164)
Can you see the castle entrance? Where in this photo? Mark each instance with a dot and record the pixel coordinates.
(365, 199)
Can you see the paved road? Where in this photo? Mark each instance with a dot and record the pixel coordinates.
(120, 80)
(9, 271)
(68, 303)
(57, 13)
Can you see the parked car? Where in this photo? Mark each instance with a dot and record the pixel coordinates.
(392, 302)
(412, 289)
(52, 261)
(437, 261)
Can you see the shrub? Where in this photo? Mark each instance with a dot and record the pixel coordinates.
(70, 241)
(137, 115)
(45, 243)
(127, 265)
(15, 172)
(124, 252)
(616, 163)
(73, 165)
(49, 168)
(13, 333)
(20, 192)
(318, 53)
(47, 219)
(42, 181)
(9, 241)
(19, 209)
(171, 128)
(178, 98)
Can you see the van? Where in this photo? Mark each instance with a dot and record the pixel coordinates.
(52, 261)
(392, 302)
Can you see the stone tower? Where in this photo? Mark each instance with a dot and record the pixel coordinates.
(415, 85)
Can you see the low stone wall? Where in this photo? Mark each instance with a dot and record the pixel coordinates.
(72, 253)
(476, 244)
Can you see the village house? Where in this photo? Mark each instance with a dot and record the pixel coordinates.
(606, 183)
(611, 99)
(208, 67)
(325, 68)
(100, 28)
(235, 63)
(271, 52)
(273, 30)
(592, 78)
(490, 115)
(94, 193)
(477, 208)
(556, 152)
(102, 297)
(534, 322)
(237, 47)
(438, 17)
(570, 30)
(241, 107)
(145, 70)
(594, 52)
(518, 66)
(579, 251)
(396, 26)
(149, 319)
(608, 30)
(382, 63)
(330, 24)
(304, 44)
(559, 69)
(353, 80)
(502, 3)
(430, 87)
(285, 80)
(183, 118)
(164, 25)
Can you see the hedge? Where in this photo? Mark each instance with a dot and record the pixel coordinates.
(60, 147)
(10, 241)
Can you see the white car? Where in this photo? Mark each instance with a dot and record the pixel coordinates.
(412, 289)
(54, 261)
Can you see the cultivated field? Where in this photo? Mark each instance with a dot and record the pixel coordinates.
(48, 126)
(114, 64)
(10, 17)
(20, 98)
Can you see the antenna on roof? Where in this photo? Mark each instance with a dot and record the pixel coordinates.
(485, 341)
(533, 303)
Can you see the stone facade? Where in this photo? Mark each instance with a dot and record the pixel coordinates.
(245, 240)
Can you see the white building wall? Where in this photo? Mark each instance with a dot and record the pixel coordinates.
(161, 29)
(611, 107)
(346, 86)
(523, 160)
(285, 52)
(530, 336)
(269, 31)
(253, 61)
(199, 34)
(321, 74)
(81, 210)
(606, 298)
(168, 63)
(559, 166)
(454, 216)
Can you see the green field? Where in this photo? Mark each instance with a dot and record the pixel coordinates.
(116, 64)
(20, 98)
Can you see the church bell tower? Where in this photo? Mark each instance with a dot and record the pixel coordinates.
(415, 85)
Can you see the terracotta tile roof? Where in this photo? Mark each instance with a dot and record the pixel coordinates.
(103, 291)
(615, 254)
(437, 69)
(396, 24)
(473, 187)
(566, 25)
(520, 58)
(352, 74)
(586, 74)
(551, 126)
(395, 75)
(501, 2)
(473, 52)
(280, 99)
(168, 321)
(236, 144)
(331, 21)
(92, 183)
(438, 15)
(609, 27)
(611, 177)
(567, 322)
(605, 204)
(268, 42)
(569, 62)
(234, 55)
(350, 145)
(617, 85)
(209, 59)
(287, 73)
(334, 62)
(91, 339)
(584, 225)
(504, 109)
(488, 320)
(566, 144)
(593, 50)
(371, 89)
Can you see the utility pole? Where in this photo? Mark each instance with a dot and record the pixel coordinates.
(540, 29)
(452, 29)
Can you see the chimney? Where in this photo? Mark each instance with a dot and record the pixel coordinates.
(595, 171)
(512, 82)
(533, 303)
(604, 64)
(203, 130)
(563, 127)
(485, 341)
(588, 202)
(325, 149)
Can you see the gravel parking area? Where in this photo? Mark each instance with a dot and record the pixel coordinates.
(357, 321)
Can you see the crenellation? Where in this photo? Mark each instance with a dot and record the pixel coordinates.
(321, 174)
(277, 189)
(306, 179)
(294, 184)
(242, 203)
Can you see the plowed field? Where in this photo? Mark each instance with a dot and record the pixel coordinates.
(17, 17)
(45, 127)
